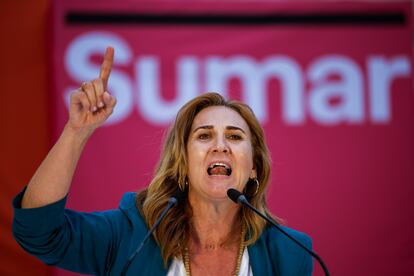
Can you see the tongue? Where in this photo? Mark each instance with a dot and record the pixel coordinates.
(218, 171)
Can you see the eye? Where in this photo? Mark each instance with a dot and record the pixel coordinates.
(234, 137)
(203, 136)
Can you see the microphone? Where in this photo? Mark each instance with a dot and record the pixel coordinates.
(177, 197)
(239, 198)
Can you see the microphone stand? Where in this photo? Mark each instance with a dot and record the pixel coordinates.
(178, 196)
(238, 197)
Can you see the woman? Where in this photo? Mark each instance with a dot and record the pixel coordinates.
(213, 145)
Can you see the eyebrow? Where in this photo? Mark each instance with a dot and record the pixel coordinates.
(227, 127)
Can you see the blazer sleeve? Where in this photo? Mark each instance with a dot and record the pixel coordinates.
(288, 258)
(76, 241)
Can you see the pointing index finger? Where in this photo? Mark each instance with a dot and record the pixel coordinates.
(107, 66)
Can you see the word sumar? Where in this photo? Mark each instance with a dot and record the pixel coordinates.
(364, 91)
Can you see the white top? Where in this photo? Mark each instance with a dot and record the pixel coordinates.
(177, 266)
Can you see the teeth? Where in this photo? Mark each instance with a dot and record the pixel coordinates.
(218, 164)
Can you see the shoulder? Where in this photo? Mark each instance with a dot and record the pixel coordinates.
(128, 200)
(283, 255)
(128, 207)
(132, 239)
(276, 238)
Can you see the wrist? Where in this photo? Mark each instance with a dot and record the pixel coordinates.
(77, 134)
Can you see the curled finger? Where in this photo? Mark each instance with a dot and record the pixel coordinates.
(110, 102)
(99, 91)
(79, 100)
(89, 90)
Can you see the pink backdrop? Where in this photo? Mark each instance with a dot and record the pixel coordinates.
(333, 92)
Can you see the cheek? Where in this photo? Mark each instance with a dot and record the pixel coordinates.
(195, 153)
(249, 154)
(195, 157)
(246, 155)
(190, 151)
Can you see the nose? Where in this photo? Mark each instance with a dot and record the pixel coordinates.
(220, 149)
(221, 146)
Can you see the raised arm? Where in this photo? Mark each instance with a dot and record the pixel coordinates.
(90, 106)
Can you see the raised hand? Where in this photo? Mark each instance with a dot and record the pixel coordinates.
(91, 104)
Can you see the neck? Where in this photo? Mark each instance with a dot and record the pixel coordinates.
(214, 224)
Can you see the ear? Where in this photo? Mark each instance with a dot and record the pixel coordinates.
(253, 173)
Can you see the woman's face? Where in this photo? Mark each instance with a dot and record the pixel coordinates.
(219, 153)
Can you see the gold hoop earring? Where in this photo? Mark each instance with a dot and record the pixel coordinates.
(257, 186)
(248, 189)
(182, 186)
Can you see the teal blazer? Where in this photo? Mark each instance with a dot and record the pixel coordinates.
(100, 243)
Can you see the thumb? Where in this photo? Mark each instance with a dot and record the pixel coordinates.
(109, 101)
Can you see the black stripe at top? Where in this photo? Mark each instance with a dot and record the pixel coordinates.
(333, 18)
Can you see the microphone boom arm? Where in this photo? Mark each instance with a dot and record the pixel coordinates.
(240, 198)
(178, 196)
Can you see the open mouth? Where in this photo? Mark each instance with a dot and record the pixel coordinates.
(219, 168)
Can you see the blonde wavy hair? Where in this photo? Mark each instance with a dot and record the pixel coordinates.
(173, 232)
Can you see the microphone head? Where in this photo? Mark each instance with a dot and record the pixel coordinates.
(177, 197)
(234, 195)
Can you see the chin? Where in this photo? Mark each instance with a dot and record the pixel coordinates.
(218, 193)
